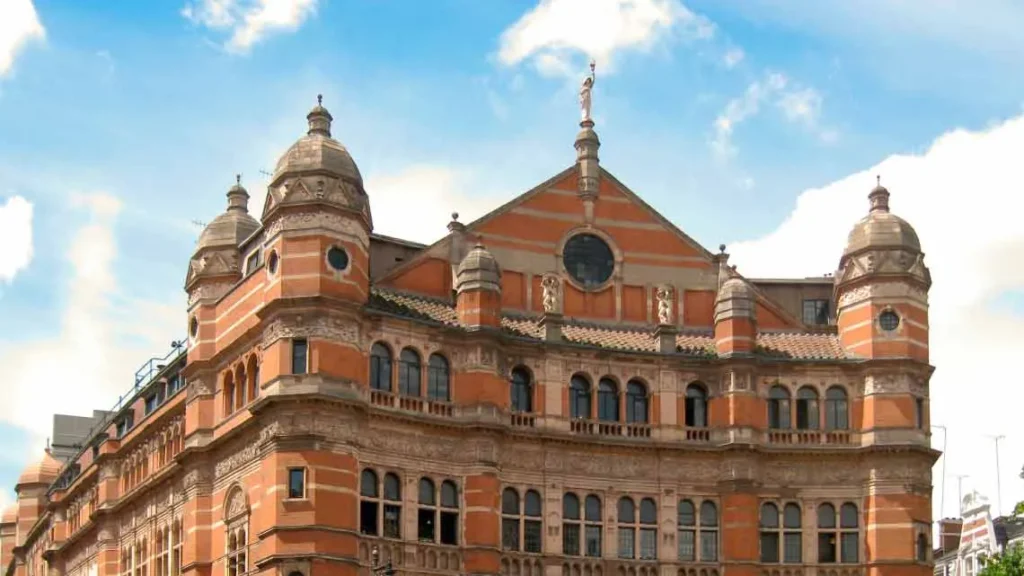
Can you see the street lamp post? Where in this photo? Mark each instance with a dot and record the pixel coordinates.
(376, 568)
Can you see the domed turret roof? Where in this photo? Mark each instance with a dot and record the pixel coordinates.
(317, 151)
(479, 269)
(881, 228)
(44, 471)
(234, 225)
(735, 288)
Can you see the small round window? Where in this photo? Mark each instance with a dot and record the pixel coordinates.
(888, 320)
(337, 258)
(272, 262)
(588, 260)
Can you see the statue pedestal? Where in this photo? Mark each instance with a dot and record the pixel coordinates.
(666, 336)
(552, 324)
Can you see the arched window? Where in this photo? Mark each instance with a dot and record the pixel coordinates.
(236, 553)
(521, 390)
(579, 397)
(686, 517)
(392, 506)
(521, 521)
(177, 541)
(922, 548)
(426, 519)
(438, 379)
(607, 400)
(380, 367)
(571, 520)
(807, 409)
(593, 530)
(828, 543)
(708, 532)
(636, 402)
(645, 523)
(253, 369)
(792, 543)
(778, 408)
(228, 389)
(510, 513)
(836, 409)
(696, 406)
(240, 386)
(409, 373)
(769, 525)
(369, 503)
(849, 533)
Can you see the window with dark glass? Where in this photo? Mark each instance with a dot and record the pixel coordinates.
(849, 533)
(778, 408)
(449, 513)
(533, 536)
(792, 542)
(922, 548)
(579, 397)
(769, 526)
(807, 409)
(369, 503)
(636, 402)
(296, 483)
(919, 412)
(816, 312)
(571, 524)
(828, 541)
(588, 260)
(426, 518)
(593, 528)
(151, 403)
(627, 528)
(380, 367)
(696, 406)
(252, 262)
(438, 378)
(510, 518)
(686, 518)
(607, 400)
(708, 532)
(300, 355)
(409, 373)
(632, 524)
(392, 506)
(521, 391)
(836, 410)
(888, 320)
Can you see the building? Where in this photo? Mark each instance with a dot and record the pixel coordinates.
(967, 541)
(568, 386)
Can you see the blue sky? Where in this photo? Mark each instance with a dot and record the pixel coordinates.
(758, 123)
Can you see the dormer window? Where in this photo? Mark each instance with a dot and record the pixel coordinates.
(252, 262)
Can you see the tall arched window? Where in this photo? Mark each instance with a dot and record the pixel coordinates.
(409, 373)
(426, 518)
(571, 524)
(533, 535)
(236, 553)
(438, 378)
(369, 503)
(792, 543)
(769, 525)
(380, 367)
(807, 409)
(240, 387)
(708, 531)
(593, 529)
(449, 513)
(828, 541)
(849, 533)
(228, 389)
(696, 406)
(253, 369)
(521, 390)
(607, 400)
(579, 397)
(836, 409)
(392, 506)
(636, 402)
(510, 516)
(778, 408)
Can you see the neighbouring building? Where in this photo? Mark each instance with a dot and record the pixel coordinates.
(967, 541)
(567, 386)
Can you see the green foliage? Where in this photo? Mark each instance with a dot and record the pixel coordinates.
(1018, 510)
(1010, 563)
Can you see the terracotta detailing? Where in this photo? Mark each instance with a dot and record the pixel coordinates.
(482, 553)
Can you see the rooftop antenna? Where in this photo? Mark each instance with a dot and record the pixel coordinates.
(960, 491)
(267, 174)
(999, 490)
(942, 491)
(199, 223)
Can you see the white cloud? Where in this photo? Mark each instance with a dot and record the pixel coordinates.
(19, 24)
(963, 196)
(556, 30)
(249, 21)
(427, 194)
(799, 104)
(15, 237)
(103, 334)
(733, 57)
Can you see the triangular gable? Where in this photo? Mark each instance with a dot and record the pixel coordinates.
(514, 225)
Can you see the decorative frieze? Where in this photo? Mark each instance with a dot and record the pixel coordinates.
(323, 327)
(898, 383)
(883, 290)
(318, 221)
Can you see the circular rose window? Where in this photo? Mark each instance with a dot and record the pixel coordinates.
(588, 260)
(888, 320)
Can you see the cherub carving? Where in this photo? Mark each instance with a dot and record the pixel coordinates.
(550, 285)
(664, 297)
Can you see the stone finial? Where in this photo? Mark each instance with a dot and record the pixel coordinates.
(319, 118)
(238, 196)
(456, 226)
(879, 197)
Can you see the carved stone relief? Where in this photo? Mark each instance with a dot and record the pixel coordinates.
(318, 220)
(326, 327)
